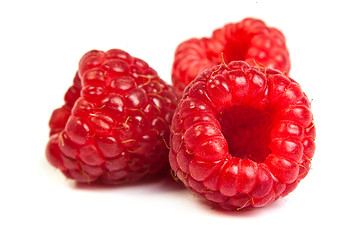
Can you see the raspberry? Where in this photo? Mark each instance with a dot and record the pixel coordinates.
(115, 121)
(242, 136)
(249, 40)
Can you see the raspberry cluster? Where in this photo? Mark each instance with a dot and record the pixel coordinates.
(249, 40)
(114, 125)
(242, 134)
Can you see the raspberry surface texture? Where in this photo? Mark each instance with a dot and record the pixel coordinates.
(114, 125)
(242, 136)
(249, 40)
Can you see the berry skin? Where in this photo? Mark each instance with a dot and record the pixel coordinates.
(242, 136)
(114, 125)
(249, 40)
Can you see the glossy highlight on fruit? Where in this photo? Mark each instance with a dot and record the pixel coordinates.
(249, 40)
(242, 136)
(114, 125)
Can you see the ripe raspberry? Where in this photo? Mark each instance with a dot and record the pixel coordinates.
(242, 136)
(115, 120)
(249, 40)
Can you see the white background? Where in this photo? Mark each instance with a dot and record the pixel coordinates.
(41, 43)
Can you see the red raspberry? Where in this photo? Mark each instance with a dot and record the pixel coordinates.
(115, 121)
(242, 136)
(249, 40)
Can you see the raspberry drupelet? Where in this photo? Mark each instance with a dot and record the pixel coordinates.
(114, 125)
(250, 40)
(242, 136)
